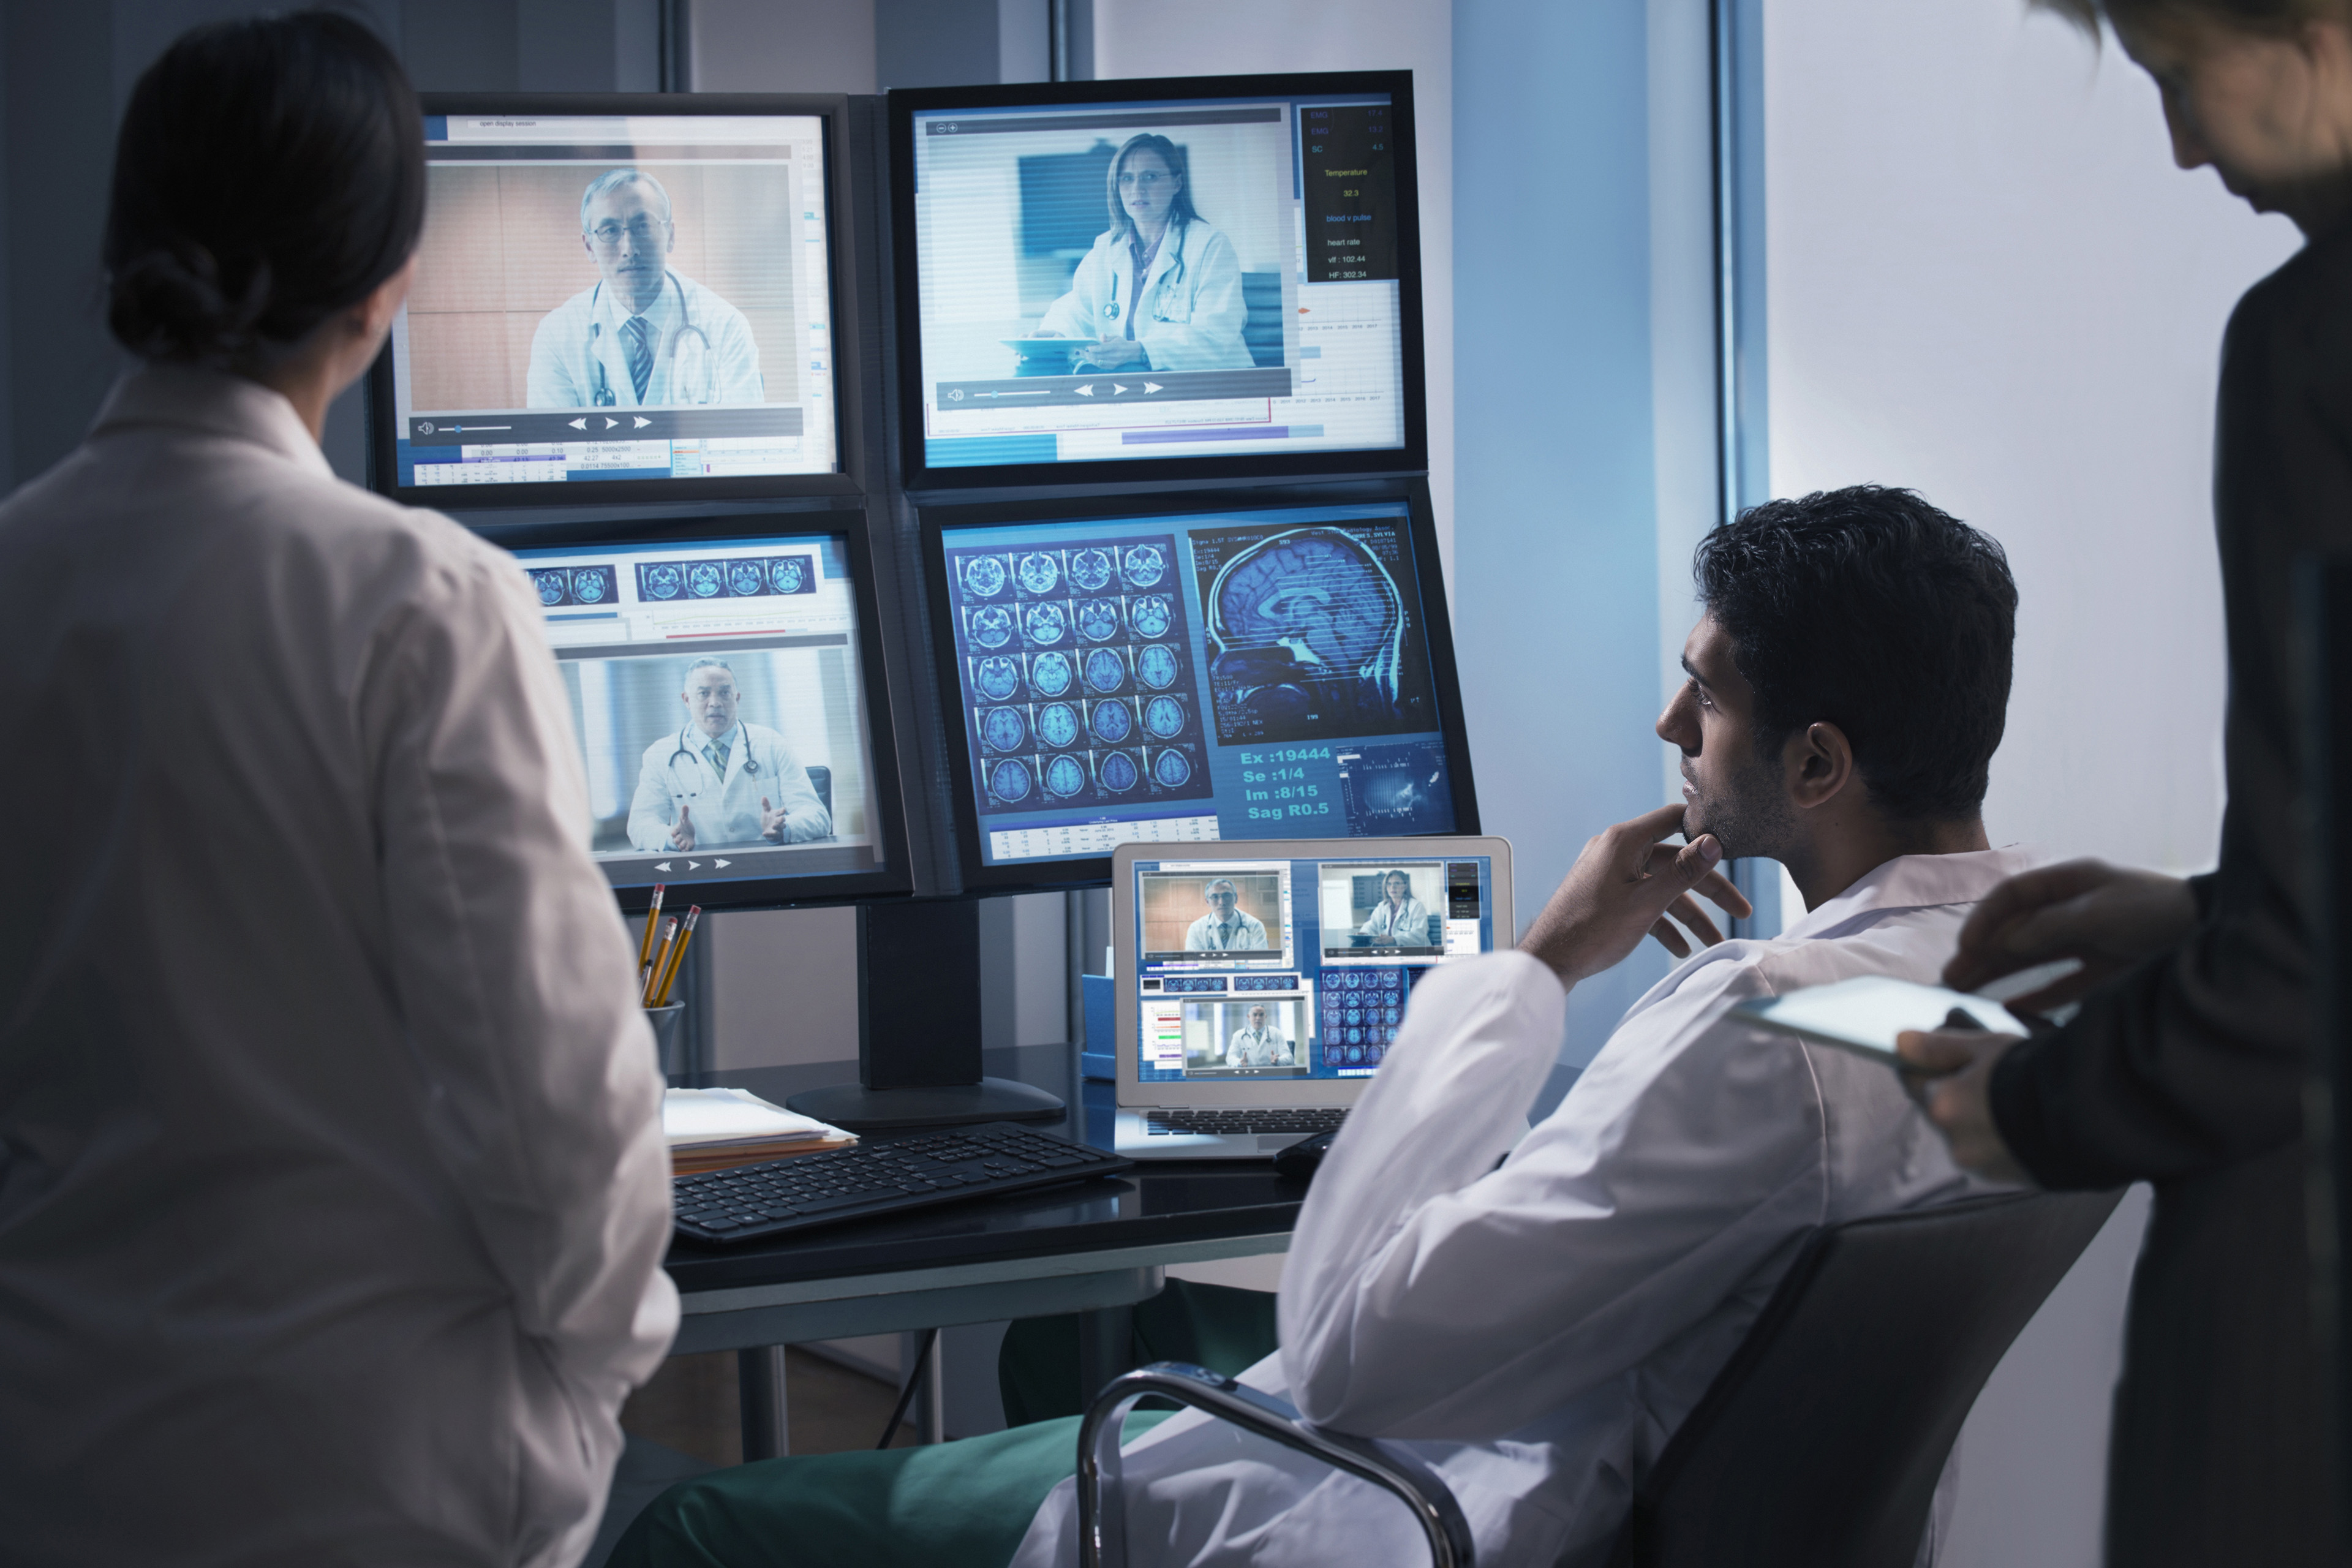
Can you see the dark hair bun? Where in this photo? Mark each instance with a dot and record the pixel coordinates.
(269, 173)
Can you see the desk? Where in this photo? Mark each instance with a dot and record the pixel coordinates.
(1097, 1248)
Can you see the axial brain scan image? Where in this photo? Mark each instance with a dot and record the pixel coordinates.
(1309, 633)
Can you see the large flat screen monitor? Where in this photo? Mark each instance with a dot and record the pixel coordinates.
(728, 694)
(1190, 670)
(1130, 278)
(617, 299)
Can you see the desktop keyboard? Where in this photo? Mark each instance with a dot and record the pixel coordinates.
(803, 1191)
(1308, 1119)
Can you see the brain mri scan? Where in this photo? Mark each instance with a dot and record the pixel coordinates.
(663, 582)
(1164, 717)
(1050, 674)
(1010, 780)
(1105, 670)
(590, 585)
(1150, 615)
(1004, 729)
(1038, 573)
(1057, 725)
(746, 578)
(787, 574)
(1111, 722)
(1118, 773)
(1064, 777)
(702, 580)
(1172, 769)
(1306, 638)
(991, 626)
(1144, 566)
(1045, 623)
(984, 576)
(1098, 619)
(1156, 667)
(997, 678)
(550, 586)
(1090, 570)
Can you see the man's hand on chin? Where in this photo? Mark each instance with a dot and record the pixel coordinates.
(1623, 887)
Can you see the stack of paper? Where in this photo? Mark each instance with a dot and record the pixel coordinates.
(714, 1129)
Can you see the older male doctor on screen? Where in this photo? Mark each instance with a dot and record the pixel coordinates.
(721, 783)
(644, 335)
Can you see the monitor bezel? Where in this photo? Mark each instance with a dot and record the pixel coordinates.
(1412, 456)
(934, 521)
(893, 877)
(847, 477)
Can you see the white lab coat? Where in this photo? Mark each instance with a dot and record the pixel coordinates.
(703, 352)
(1246, 935)
(1408, 922)
(1540, 1330)
(1257, 1049)
(333, 1189)
(725, 812)
(1192, 305)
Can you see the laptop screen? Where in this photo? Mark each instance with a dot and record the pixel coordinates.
(1296, 968)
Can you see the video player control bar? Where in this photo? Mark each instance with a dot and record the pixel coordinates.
(600, 424)
(1102, 389)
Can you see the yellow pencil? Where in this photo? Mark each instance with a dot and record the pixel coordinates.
(661, 954)
(678, 954)
(646, 942)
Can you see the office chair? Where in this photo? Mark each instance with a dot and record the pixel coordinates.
(820, 779)
(1818, 1446)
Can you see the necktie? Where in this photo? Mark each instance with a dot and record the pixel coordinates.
(716, 753)
(636, 341)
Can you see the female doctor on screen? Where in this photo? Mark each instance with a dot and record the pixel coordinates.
(333, 1190)
(1188, 312)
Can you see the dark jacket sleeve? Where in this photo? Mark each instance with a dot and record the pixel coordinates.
(2197, 1058)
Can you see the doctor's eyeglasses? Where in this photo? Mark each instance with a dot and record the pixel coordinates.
(640, 230)
(1147, 179)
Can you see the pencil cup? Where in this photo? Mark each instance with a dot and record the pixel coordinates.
(667, 1047)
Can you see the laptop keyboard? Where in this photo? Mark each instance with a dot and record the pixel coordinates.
(1305, 1119)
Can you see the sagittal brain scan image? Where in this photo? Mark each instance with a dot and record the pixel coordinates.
(1309, 633)
(1049, 673)
(997, 678)
(1053, 638)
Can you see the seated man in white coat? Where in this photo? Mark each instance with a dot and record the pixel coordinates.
(1538, 1310)
(719, 781)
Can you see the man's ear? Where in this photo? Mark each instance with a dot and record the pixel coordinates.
(1817, 764)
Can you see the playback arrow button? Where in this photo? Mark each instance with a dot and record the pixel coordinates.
(1085, 391)
(581, 423)
(1150, 386)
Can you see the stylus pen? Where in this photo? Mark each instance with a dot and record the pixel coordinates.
(646, 942)
(678, 956)
(661, 955)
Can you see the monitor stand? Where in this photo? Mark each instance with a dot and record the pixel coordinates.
(919, 1026)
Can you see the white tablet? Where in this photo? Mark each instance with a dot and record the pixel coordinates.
(1864, 1014)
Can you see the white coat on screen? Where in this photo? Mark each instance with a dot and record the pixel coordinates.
(675, 772)
(1191, 308)
(1539, 1331)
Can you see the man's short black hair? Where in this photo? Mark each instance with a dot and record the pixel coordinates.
(1870, 609)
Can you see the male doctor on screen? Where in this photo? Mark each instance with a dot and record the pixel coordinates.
(1401, 920)
(720, 783)
(1259, 1046)
(1225, 928)
(644, 335)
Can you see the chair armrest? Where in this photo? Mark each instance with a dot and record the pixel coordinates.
(1102, 1521)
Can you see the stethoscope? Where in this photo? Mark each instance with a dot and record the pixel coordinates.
(692, 756)
(1167, 279)
(604, 397)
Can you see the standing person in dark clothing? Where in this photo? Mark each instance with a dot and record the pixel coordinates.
(2185, 1066)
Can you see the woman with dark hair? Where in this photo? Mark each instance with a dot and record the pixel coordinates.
(2187, 1063)
(333, 1194)
(1160, 289)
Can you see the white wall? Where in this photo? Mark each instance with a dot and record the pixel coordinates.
(1987, 281)
(1231, 38)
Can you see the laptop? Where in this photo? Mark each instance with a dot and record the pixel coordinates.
(1259, 983)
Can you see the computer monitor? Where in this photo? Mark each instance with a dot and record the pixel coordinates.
(1275, 328)
(1191, 667)
(621, 299)
(727, 691)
